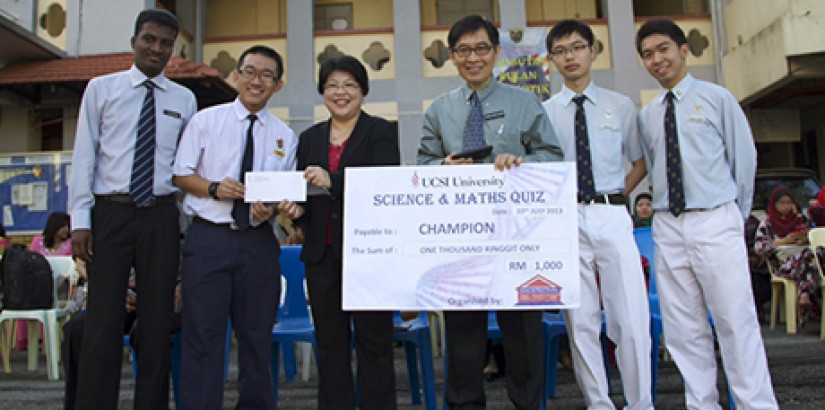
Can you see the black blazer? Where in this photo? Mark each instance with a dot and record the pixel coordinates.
(374, 141)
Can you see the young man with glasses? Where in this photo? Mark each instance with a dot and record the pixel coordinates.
(700, 153)
(512, 121)
(597, 129)
(230, 256)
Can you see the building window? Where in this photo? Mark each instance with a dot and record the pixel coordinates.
(50, 123)
(648, 8)
(450, 11)
(333, 17)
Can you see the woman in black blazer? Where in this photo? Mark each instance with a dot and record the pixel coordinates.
(350, 137)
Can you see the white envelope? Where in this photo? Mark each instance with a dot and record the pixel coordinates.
(274, 186)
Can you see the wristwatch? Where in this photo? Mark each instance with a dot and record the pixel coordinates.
(213, 189)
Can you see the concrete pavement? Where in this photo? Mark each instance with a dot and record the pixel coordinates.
(797, 366)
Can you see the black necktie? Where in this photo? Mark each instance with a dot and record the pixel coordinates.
(676, 191)
(240, 209)
(143, 167)
(587, 189)
(474, 130)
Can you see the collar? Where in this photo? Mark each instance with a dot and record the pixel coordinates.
(136, 78)
(591, 92)
(241, 112)
(483, 93)
(679, 90)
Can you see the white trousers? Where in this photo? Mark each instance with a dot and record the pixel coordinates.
(606, 244)
(701, 268)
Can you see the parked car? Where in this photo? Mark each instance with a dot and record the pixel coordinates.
(801, 181)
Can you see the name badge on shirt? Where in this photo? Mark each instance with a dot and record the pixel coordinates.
(493, 115)
(173, 114)
(279, 153)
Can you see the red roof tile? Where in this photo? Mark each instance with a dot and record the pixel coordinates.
(87, 67)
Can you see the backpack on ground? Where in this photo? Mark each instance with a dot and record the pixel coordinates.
(27, 280)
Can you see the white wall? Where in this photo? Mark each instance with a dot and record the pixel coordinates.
(19, 11)
(102, 26)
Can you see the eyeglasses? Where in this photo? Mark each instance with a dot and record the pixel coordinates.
(574, 49)
(249, 74)
(481, 50)
(349, 87)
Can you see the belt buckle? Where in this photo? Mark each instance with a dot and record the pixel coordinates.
(152, 202)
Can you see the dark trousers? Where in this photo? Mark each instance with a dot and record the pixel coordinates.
(228, 274)
(147, 239)
(72, 343)
(334, 330)
(523, 343)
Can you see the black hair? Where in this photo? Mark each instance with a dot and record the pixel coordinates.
(643, 195)
(161, 17)
(2, 231)
(471, 24)
(347, 64)
(660, 26)
(56, 221)
(266, 52)
(565, 28)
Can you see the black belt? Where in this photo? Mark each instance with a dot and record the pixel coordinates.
(611, 199)
(126, 199)
(230, 225)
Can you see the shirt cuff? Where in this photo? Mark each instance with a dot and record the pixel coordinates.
(81, 219)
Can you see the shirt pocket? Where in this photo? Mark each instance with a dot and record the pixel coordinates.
(168, 131)
(275, 159)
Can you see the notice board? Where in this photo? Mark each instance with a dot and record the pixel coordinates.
(33, 185)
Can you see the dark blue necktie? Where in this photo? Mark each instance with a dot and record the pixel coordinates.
(474, 131)
(240, 209)
(587, 188)
(676, 191)
(143, 167)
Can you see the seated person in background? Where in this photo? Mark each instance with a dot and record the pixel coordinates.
(55, 240)
(816, 209)
(781, 238)
(643, 210)
(4, 242)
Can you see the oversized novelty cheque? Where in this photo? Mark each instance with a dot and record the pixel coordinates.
(461, 238)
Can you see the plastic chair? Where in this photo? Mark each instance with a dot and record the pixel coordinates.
(63, 269)
(816, 237)
(644, 241)
(416, 333)
(790, 311)
(294, 322)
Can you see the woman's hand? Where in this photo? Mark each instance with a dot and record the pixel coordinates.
(291, 210)
(262, 212)
(317, 176)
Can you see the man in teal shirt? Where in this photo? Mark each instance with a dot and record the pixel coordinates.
(513, 122)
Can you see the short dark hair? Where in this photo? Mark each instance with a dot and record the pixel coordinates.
(347, 64)
(660, 26)
(471, 24)
(160, 17)
(56, 221)
(266, 52)
(565, 28)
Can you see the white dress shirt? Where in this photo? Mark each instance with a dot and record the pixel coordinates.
(212, 147)
(104, 147)
(715, 142)
(611, 129)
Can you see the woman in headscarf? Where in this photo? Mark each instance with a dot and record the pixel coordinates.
(782, 238)
(643, 210)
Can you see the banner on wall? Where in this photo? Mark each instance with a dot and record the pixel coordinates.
(523, 60)
(32, 186)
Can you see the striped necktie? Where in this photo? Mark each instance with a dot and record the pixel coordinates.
(676, 189)
(240, 209)
(584, 167)
(143, 167)
(474, 130)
